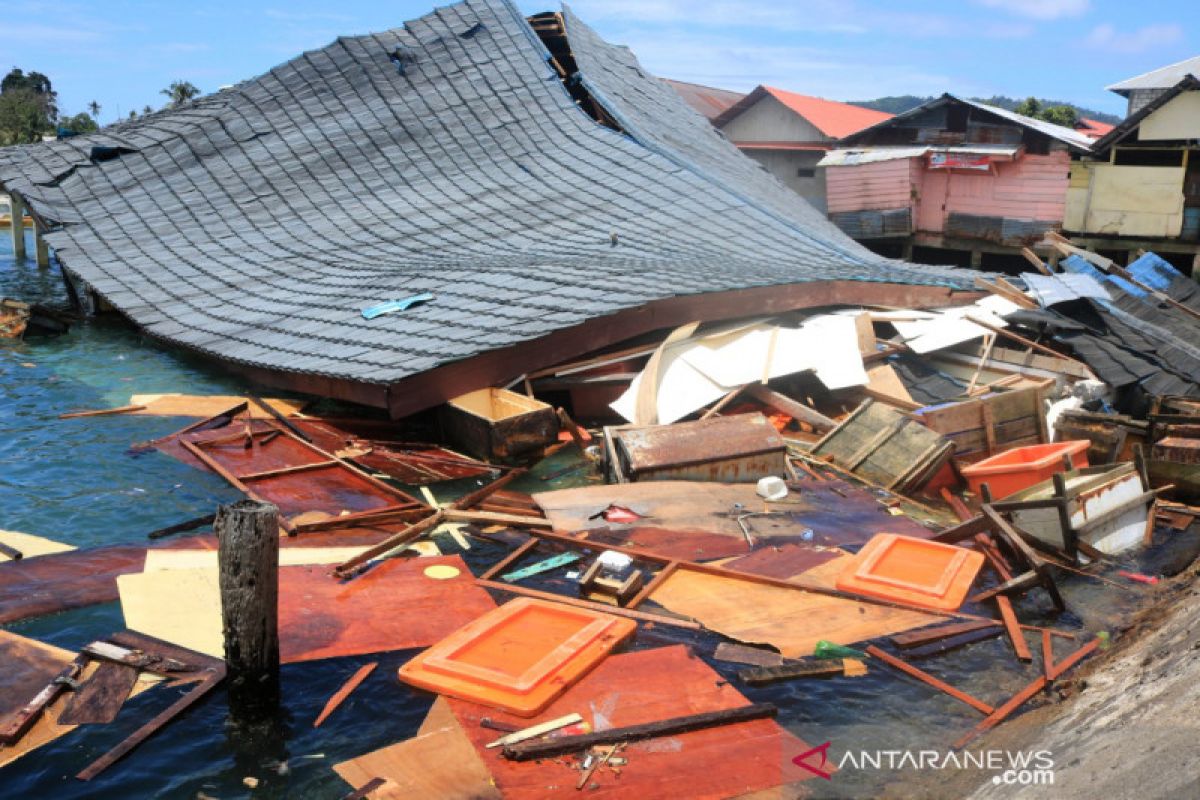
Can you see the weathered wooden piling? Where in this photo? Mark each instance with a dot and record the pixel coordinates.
(18, 225)
(248, 555)
(40, 248)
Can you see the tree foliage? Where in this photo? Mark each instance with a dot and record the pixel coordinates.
(80, 123)
(180, 92)
(1059, 114)
(28, 107)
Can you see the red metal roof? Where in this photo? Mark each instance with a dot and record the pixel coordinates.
(832, 118)
(708, 100)
(1092, 127)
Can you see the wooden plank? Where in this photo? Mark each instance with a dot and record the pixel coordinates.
(740, 654)
(1015, 635)
(925, 636)
(1001, 712)
(819, 422)
(644, 616)
(1041, 348)
(1073, 659)
(147, 730)
(925, 677)
(563, 745)
(390, 543)
(946, 645)
(101, 696)
(102, 412)
(352, 683)
(790, 670)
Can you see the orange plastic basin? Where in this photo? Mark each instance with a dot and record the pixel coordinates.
(913, 571)
(519, 657)
(1013, 470)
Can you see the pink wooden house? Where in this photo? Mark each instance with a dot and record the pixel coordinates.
(955, 175)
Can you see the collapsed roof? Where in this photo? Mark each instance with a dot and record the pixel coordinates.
(448, 157)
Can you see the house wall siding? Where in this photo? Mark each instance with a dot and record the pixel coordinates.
(786, 165)
(1178, 119)
(769, 120)
(876, 186)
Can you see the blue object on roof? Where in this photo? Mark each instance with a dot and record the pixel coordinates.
(1154, 271)
(391, 306)
(1084, 267)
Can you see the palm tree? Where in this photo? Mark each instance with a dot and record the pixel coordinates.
(180, 92)
(94, 107)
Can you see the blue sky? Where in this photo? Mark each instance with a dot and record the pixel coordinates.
(121, 52)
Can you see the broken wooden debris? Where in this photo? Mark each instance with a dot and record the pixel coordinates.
(212, 677)
(344, 691)
(790, 670)
(633, 733)
(100, 697)
(13, 728)
(533, 731)
(182, 527)
(925, 677)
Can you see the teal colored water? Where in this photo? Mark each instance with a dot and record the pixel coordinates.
(74, 481)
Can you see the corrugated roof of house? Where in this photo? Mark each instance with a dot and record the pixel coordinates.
(830, 117)
(1070, 136)
(708, 100)
(1161, 78)
(446, 157)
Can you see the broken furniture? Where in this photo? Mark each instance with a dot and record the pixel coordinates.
(1175, 461)
(1013, 470)
(520, 656)
(1095, 509)
(498, 424)
(984, 426)
(885, 447)
(1112, 436)
(735, 449)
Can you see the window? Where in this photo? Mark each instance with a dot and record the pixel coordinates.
(806, 172)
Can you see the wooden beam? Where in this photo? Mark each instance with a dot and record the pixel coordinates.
(1015, 634)
(391, 543)
(342, 693)
(925, 677)
(563, 745)
(214, 677)
(819, 422)
(643, 616)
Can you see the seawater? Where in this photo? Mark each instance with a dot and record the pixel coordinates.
(76, 482)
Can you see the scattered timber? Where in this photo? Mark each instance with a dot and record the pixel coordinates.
(633, 733)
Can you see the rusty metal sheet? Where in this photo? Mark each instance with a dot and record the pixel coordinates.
(1177, 449)
(740, 448)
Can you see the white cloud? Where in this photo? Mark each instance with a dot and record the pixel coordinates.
(1107, 37)
(827, 16)
(733, 63)
(27, 33)
(1040, 9)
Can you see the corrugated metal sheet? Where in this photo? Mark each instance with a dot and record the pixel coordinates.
(874, 224)
(1052, 289)
(1002, 230)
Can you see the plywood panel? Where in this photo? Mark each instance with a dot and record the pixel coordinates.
(440, 761)
(31, 545)
(393, 606)
(1136, 201)
(28, 666)
(791, 620)
(637, 688)
(203, 406)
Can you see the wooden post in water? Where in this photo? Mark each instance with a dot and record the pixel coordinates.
(18, 225)
(40, 248)
(248, 555)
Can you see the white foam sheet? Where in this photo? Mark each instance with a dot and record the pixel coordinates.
(701, 370)
(950, 326)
